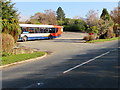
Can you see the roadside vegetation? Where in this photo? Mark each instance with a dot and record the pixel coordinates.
(105, 27)
(20, 57)
(10, 29)
(9, 35)
(103, 40)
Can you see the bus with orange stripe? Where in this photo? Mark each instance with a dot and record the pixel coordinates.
(34, 31)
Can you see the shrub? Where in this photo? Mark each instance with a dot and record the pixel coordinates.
(74, 28)
(114, 35)
(9, 20)
(92, 29)
(74, 25)
(86, 38)
(110, 32)
(7, 43)
(89, 38)
(118, 33)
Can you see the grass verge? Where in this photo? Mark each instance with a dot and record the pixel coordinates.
(103, 40)
(20, 57)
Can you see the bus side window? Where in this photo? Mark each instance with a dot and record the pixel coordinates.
(23, 29)
(53, 30)
(50, 30)
(31, 30)
(36, 30)
(46, 30)
(42, 30)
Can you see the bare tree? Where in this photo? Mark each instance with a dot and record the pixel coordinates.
(92, 18)
(114, 15)
(48, 17)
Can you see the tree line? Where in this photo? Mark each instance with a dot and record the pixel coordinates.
(105, 26)
(106, 23)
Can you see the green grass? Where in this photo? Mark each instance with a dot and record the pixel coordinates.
(103, 40)
(20, 57)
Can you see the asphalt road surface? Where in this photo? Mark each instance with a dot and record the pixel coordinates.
(72, 64)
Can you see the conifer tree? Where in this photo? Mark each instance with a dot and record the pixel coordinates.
(9, 19)
(105, 15)
(60, 14)
(105, 25)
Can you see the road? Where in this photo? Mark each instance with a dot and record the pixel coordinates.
(72, 64)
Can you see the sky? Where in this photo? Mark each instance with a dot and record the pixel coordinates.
(71, 8)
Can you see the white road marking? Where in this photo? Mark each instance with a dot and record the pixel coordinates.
(85, 62)
(41, 83)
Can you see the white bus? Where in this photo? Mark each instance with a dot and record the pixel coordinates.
(34, 31)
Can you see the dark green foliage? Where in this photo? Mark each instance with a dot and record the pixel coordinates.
(60, 14)
(9, 19)
(105, 15)
(74, 28)
(74, 25)
(108, 34)
(66, 21)
(92, 29)
(71, 28)
(105, 25)
(118, 32)
(7, 10)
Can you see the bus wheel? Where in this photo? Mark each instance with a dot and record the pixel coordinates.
(24, 39)
(50, 37)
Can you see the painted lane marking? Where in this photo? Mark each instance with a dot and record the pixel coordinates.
(41, 83)
(85, 63)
